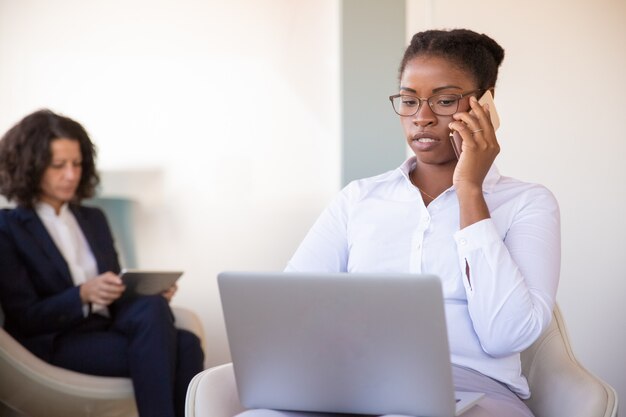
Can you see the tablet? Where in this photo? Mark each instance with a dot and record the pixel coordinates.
(140, 282)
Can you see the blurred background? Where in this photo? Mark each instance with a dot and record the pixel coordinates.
(229, 125)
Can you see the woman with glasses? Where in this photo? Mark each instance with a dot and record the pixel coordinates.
(494, 241)
(59, 285)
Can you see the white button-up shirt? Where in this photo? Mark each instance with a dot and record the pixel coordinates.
(499, 275)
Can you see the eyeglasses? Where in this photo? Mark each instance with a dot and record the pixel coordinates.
(441, 104)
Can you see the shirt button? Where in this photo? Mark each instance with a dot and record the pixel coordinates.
(463, 241)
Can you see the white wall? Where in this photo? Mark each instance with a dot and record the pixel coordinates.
(562, 96)
(219, 117)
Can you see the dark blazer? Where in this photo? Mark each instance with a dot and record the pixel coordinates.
(37, 294)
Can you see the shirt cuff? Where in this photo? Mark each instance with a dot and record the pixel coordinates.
(475, 236)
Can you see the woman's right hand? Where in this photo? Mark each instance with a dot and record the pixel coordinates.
(103, 289)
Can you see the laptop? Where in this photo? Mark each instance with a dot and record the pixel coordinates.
(340, 343)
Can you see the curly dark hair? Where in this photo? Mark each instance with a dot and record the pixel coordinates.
(25, 154)
(476, 53)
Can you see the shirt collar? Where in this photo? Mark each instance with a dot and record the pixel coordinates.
(491, 179)
(46, 210)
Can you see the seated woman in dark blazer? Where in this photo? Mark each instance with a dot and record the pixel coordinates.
(59, 284)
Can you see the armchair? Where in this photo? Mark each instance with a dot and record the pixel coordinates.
(31, 387)
(559, 384)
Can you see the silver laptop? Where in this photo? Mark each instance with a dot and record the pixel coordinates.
(340, 343)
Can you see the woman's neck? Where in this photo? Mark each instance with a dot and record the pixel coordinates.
(432, 179)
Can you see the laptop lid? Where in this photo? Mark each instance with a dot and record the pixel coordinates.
(344, 343)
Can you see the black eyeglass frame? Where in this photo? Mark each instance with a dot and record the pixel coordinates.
(427, 100)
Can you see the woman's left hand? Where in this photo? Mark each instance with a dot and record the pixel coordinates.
(169, 293)
(479, 147)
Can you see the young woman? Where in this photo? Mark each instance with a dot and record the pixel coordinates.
(494, 241)
(59, 284)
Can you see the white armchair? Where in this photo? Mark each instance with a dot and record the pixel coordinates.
(560, 386)
(32, 387)
(213, 392)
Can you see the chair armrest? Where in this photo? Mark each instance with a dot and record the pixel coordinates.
(560, 385)
(37, 388)
(213, 393)
(188, 320)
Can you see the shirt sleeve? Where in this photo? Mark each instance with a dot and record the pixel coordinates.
(325, 247)
(31, 313)
(32, 294)
(511, 281)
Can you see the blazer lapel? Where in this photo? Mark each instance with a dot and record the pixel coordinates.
(33, 224)
(90, 236)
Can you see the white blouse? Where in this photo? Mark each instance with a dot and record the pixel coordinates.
(380, 224)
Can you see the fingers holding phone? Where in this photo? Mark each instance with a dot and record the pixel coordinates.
(487, 99)
(475, 124)
(473, 133)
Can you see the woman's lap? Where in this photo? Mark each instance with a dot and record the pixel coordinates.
(95, 347)
(498, 400)
(92, 348)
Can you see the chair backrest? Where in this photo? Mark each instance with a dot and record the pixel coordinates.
(119, 213)
(3, 204)
(559, 384)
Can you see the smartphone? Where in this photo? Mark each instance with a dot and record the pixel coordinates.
(487, 98)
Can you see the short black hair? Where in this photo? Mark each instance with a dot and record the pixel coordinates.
(25, 154)
(476, 53)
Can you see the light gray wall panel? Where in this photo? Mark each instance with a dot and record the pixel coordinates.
(372, 43)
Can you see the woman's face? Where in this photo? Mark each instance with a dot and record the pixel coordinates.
(62, 176)
(427, 134)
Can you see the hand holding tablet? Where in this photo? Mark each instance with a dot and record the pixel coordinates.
(141, 282)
